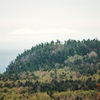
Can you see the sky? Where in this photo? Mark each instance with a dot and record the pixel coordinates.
(25, 23)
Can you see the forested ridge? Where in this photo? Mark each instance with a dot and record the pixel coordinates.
(68, 70)
(75, 54)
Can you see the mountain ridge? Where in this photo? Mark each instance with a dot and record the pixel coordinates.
(47, 56)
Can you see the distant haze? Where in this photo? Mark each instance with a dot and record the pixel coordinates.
(25, 23)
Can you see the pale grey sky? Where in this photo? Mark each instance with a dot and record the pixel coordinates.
(24, 23)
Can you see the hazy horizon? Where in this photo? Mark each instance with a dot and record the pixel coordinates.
(25, 23)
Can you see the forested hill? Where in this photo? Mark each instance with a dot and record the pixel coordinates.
(54, 71)
(82, 56)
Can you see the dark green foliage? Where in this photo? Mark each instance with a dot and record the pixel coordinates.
(73, 66)
(54, 86)
(45, 56)
(90, 84)
(78, 98)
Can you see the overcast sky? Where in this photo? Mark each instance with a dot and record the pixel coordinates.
(25, 23)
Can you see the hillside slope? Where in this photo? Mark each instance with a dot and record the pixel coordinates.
(54, 71)
(76, 55)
